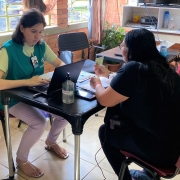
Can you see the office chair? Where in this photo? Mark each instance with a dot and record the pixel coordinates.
(155, 172)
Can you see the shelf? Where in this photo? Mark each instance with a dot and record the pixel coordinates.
(158, 12)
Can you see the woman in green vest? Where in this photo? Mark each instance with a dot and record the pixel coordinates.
(17, 69)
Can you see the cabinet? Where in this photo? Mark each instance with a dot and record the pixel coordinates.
(158, 12)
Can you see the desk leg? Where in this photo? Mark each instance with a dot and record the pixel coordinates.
(77, 157)
(8, 137)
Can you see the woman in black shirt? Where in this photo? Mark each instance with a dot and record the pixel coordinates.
(143, 101)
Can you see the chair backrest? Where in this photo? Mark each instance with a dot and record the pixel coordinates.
(73, 42)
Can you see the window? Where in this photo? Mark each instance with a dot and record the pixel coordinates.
(77, 10)
(10, 13)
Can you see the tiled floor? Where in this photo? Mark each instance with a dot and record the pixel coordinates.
(58, 169)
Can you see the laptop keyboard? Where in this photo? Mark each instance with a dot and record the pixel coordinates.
(42, 88)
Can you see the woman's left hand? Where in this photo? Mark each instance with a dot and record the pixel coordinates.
(94, 81)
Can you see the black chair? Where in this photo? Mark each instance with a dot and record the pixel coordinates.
(155, 172)
(75, 41)
(70, 42)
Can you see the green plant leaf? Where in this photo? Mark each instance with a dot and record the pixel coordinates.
(112, 36)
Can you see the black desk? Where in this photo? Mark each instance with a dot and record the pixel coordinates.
(76, 114)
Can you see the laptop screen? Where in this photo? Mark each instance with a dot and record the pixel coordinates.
(60, 73)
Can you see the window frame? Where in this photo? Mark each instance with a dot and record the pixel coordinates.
(8, 17)
(71, 11)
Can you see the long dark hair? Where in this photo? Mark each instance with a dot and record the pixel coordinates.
(142, 48)
(28, 19)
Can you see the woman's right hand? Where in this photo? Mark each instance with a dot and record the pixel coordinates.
(37, 80)
(101, 71)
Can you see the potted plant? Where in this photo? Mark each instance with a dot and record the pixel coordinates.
(112, 37)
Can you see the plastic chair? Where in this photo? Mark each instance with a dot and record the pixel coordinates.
(75, 41)
(155, 172)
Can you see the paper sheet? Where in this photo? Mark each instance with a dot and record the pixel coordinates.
(105, 82)
(84, 76)
(47, 75)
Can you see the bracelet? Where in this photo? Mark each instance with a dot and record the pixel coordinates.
(110, 72)
(97, 84)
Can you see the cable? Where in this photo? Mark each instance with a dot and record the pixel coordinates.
(99, 150)
(152, 21)
(31, 60)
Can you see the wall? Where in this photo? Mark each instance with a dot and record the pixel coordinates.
(59, 19)
(113, 11)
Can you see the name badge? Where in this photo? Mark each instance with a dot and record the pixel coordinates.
(34, 61)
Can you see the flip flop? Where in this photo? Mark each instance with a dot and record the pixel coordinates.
(49, 148)
(19, 166)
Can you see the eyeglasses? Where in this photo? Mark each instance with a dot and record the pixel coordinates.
(122, 45)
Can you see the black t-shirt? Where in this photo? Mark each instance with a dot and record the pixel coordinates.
(153, 111)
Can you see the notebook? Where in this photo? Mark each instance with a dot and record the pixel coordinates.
(58, 77)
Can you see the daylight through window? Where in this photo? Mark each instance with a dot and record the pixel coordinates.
(10, 13)
(77, 10)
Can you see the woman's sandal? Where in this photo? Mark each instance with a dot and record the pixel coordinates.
(22, 164)
(49, 148)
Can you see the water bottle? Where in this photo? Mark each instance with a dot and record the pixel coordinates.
(68, 90)
(163, 48)
(166, 19)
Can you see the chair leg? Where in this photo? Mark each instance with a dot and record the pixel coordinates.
(64, 135)
(51, 119)
(19, 124)
(122, 170)
(64, 130)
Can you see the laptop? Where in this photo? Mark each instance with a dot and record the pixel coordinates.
(58, 77)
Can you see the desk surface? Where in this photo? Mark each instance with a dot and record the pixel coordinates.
(76, 113)
(110, 54)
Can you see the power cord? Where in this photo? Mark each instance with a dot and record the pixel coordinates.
(99, 150)
(152, 22)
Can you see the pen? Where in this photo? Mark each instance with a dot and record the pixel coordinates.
(37, 94)
(118, 55)
(84, 79)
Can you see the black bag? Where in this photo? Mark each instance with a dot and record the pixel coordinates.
(115, 120)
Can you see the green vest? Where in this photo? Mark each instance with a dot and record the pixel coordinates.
(20, 65)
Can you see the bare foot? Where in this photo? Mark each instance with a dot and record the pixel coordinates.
(29, 169)
(59, 151)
